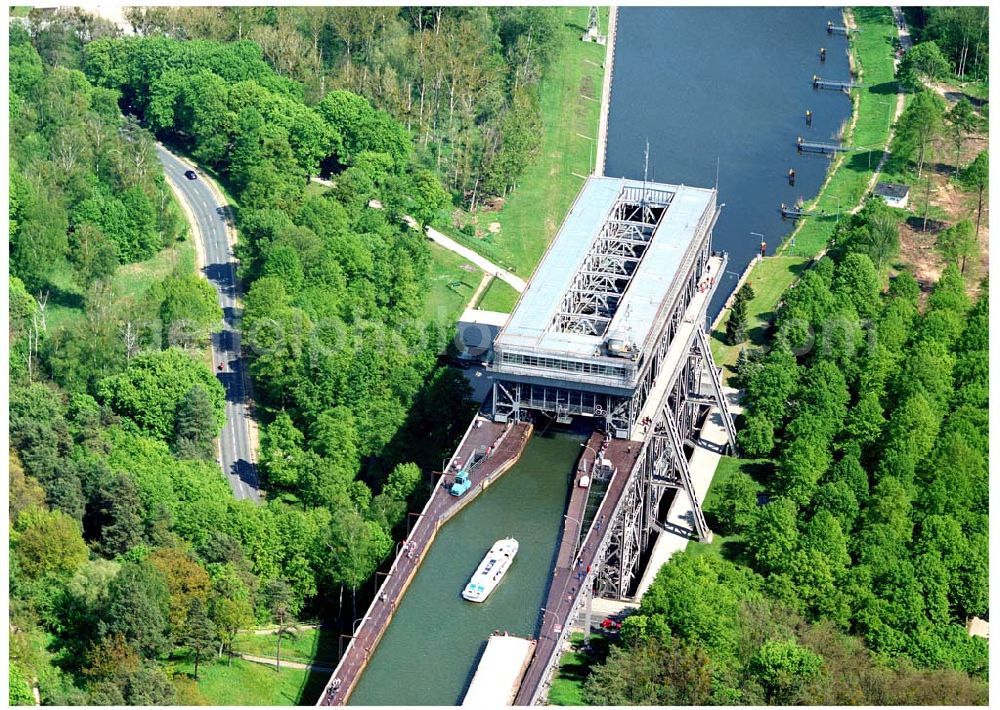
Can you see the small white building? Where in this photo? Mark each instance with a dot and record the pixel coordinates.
(895, 195)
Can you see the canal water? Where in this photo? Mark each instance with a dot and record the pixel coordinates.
(430, 650)
(733, 84)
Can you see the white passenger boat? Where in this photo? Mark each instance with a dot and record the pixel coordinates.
(491, 570)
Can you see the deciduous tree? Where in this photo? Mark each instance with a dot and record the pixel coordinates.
(49, 543)
(137, 608)
(958, 243)
(923, 61)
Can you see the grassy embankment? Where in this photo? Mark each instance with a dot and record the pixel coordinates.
(245, 683)
(570, 100)
(129, 283)
(574, 667)
(307, 646)
(874, 107)
(248, 683)
(499, 296)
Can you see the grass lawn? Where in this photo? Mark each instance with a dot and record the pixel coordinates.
(875, 104)
(133, 280)
(732, 547)
(536, 208)
(307, 646)
(499, 296)
(574, 667)
(129, 283)
(769, 279)
(245, 683)
(453, 280)
(567, 686)
(315, 189)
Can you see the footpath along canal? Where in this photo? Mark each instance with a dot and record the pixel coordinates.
(429, 652)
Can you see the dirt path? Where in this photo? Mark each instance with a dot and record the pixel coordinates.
(482, 262)
(480, 289)
(270, 661)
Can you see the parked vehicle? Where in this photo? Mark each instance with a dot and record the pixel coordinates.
(461, 484)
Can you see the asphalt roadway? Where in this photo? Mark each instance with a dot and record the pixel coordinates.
(236, 454)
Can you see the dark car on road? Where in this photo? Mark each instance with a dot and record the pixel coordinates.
(190, 175)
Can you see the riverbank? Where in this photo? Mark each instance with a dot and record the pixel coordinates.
(845, 187)
(609, 72)
(516, 235)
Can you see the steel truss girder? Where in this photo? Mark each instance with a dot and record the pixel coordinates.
(626, 234)
(609, 266)
(505, 404)
(510, 398)
(624, 543)
(720, 396)
(662, 465)
(581, 323)
(667, 425)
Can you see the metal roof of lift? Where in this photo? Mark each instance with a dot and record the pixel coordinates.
(533, 323)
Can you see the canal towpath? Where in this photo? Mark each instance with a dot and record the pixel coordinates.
(609, 65)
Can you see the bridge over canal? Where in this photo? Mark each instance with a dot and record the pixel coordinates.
(609, 337)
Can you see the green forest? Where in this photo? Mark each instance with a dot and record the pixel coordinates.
(960, 34)
(463, 81)
(130, 554)
(854, 535)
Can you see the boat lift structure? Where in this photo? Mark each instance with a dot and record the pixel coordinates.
(612, 328)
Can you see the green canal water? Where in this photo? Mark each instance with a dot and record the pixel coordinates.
(430, 650)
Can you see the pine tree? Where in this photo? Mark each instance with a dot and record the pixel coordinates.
(737, 324)
(200, 632)
(120, 516)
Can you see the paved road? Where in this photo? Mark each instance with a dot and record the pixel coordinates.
(609, 68)
(206, 213)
